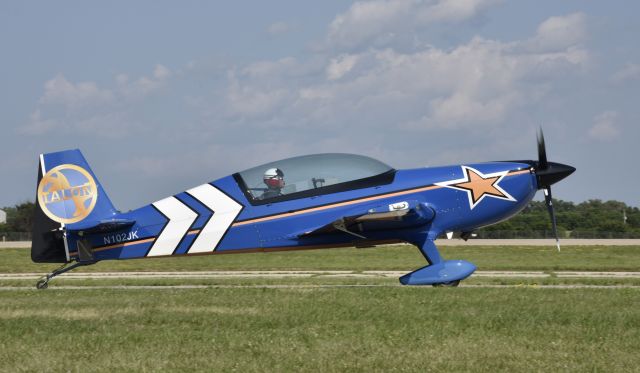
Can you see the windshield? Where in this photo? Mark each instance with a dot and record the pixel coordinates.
(294, 175)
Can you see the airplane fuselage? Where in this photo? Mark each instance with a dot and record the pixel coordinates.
(461, 197)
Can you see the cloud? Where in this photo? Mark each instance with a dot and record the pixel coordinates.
(380, 22)
(84, 107)
(59, 91)
(474, 85)
(340, 66)
(559, 33)
(605, 127)
(143, 86)
(366, 20)
(630, 71)
(386, 102)
(455, 10)
(250, 101)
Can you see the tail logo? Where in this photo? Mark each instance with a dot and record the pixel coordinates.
(67, 194)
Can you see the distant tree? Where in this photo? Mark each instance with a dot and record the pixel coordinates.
(19, 217)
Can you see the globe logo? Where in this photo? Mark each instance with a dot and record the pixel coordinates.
(67, 194)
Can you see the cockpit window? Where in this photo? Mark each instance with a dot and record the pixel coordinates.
(301, 176)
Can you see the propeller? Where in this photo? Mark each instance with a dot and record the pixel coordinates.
(548, 173)
(549, 202)
(542, 152)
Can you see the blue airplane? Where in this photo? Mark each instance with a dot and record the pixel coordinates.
(307, 202)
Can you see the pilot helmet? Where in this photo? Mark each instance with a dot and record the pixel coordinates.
(274, 178)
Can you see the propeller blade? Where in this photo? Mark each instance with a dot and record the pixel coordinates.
(542, 152)
(549, 202)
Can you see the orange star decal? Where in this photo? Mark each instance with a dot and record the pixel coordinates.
(479, 185)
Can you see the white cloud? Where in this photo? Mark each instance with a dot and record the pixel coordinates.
(365, 20)
(475, 85)
(143, 86)
(59, 91)
(379, 22)
(630, 71)
(252, 101)
(605, 127)
(340, 66)
(86, 108)
(455, 10)
(461, 108)
(559, 33)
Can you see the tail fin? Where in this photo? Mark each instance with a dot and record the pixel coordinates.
(68, 195)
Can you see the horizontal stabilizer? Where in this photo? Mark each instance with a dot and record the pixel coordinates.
(103, 226)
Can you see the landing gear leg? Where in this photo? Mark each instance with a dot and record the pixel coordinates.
(430, 252)
(43, 282)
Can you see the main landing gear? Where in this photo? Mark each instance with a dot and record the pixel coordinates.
(43, 282)
(439, 272)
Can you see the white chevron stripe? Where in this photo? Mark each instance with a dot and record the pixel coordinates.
(225, 210)
(180, 219)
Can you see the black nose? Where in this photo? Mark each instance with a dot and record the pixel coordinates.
(553, 173)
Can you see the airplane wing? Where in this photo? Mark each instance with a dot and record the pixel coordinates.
(397, 215)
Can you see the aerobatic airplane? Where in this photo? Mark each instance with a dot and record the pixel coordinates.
(307, 202)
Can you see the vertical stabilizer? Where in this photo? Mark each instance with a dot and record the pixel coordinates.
(68, 193)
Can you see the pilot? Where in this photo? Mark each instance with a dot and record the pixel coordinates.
(274, 179)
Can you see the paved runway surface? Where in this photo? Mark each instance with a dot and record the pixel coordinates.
(316, 275)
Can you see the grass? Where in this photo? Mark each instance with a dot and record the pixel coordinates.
(251, 327)
(333, 329)
(404, 257)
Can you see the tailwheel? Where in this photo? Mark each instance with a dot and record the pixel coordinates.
(450, 284)
(42, 284)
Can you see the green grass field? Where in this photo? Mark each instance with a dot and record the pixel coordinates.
(399, 257)
(255, 328)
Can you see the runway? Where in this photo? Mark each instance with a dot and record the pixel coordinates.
(318, 274)
(312, 274)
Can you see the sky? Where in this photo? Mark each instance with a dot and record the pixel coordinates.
(162, 96)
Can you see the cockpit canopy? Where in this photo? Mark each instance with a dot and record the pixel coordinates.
(315, 174)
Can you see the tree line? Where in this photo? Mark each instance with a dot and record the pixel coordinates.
(589, 219)
(593, 218)
(19, 217)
